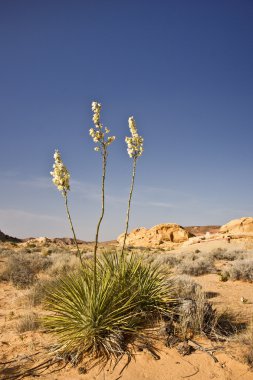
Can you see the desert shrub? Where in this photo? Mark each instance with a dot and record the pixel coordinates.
(224, 276)
(242, 270)
(218, 253)
(5, 252)
(56, 249)
(246, 340)
(185, 287)
(31, 245)
(46, 251)
(196, 266)
(38, 292)
(101, 318)
(196, 315)
(224, 254)
(28, 322)
(167, 259)
(149, 257)
(22, 269)
(63, 263)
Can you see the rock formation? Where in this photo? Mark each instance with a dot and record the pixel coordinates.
(238, 226)
(202, 230)
(162, 235)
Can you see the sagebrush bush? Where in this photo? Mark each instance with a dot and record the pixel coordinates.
(168, 259)
(242, 270)
(129, 296)
(196, 266)
(22, 269)
(185, 287)
(224, 254)
(196, 315)
(63, 263)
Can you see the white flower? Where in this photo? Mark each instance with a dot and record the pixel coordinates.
(98, 135)
(60, 174)
(134, 143)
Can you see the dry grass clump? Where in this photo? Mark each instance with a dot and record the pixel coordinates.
(195, 265)
(28, 322)
(242, 270)
(22, 269)
(196, 315)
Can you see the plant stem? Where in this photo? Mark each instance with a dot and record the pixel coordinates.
(72, 227)
(104, 154)
(129, 203)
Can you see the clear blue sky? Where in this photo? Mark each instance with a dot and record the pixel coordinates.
(183, 68)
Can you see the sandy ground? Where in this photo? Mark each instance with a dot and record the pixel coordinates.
(171, 366)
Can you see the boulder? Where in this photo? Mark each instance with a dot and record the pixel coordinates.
(166, 234)
(238, 226)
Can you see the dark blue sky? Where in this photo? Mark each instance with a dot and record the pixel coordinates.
(182, 68)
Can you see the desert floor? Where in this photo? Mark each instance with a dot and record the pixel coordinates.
(17, 346)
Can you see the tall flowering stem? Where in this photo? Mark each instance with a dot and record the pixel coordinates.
(99, 136)
(61, 178)
(134, 150)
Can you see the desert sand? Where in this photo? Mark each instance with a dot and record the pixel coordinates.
(29, 348)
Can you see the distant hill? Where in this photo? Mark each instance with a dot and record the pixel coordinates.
(201, 230)
(4, 238)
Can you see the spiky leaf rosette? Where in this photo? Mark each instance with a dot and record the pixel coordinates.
(129, 297)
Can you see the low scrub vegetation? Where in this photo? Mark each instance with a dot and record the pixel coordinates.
(63, 263)
(246, 339)
(22, 269)
(167, 259)
(242, 270)
(196, 315)
(194, 265)
(28, 322)
(224, 254)
(38, 292)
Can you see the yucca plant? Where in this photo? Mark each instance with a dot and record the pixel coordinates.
(101, 307)
(129, 297)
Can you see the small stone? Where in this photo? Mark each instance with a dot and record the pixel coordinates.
(82, 370)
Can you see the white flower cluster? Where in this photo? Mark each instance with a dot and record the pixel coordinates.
(134, 143)
(60, 174)
(98, 134)
(96, 108)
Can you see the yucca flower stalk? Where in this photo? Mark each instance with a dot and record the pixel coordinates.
(61, 178)
(99, 136)
(134, 150)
